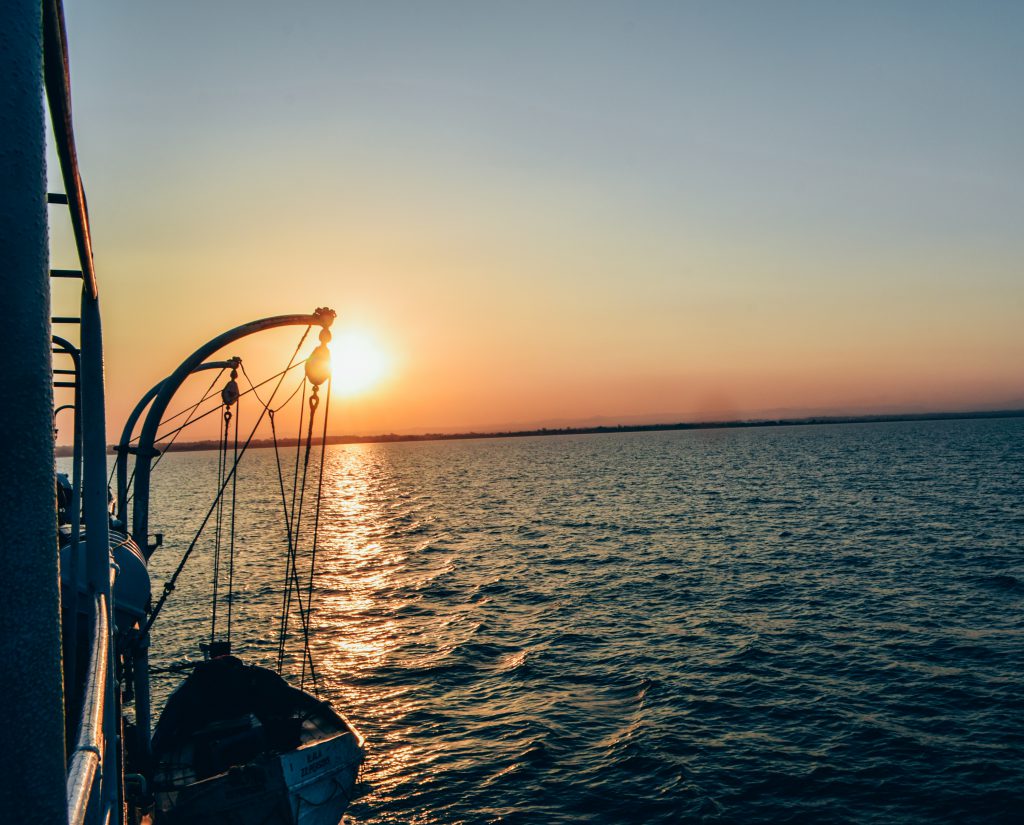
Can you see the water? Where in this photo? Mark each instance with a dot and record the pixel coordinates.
(796, 624)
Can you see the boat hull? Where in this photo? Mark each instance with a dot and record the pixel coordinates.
(320, 779)
(309, 786)
(236, 744)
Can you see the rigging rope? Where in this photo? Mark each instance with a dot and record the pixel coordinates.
(190, 410)
(288, 533)
(291, 571)
(292, 584)
(314, 402)
(285, 403)
(170, 584)
(229, 396)
(316, 530)
(298, 587)
(234, 500)
(212, 410)
(291, 574)
(291, 580)
(222, 461)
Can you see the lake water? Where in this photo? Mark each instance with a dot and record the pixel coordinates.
(792, 624)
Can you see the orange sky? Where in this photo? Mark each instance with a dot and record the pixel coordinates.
(645, 215)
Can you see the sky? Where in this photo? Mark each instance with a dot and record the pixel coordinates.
(555, 213)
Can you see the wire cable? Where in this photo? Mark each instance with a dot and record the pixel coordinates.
(316, 531)
(170, 584)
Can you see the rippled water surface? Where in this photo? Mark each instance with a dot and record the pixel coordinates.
(782, 624)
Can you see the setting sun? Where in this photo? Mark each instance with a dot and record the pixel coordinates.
(358, 362)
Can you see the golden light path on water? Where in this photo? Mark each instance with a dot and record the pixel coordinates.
(359, 595)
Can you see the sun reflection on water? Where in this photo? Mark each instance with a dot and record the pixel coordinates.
(371, 635)
(358, 570)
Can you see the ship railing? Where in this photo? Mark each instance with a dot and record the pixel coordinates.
(58, 92)
(85, 768)
(93, 788)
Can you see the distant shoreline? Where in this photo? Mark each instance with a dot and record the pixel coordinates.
(618, 428)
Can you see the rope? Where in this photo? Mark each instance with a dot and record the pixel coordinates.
(211, 411)
(338, 786)
(293, 585)
(291, 561)
(293, 581)
(314, 402)
(286, 402)
(231, 549)
(288, 532)
(294, 588)
(190, 411)
(222, 466)
(316, 531)
(169, 586)
(291, 574)
(295, 480)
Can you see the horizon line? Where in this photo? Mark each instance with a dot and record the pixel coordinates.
(605, 429)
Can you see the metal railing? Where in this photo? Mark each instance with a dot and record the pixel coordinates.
(85, 765)
(93, 789)
(58, 93)
(69, 622)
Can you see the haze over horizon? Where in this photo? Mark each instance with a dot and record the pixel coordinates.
(565, 212)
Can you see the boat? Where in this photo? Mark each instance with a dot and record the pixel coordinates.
(235, 742)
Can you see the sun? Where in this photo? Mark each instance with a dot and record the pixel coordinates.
(358, 363)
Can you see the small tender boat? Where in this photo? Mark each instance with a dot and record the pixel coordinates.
(237, 744)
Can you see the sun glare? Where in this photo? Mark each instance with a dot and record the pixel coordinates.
(357, 362)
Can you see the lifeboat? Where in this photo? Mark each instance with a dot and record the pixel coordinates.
(237, 744)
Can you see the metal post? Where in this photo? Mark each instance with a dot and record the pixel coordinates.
(143, 699)
(122, 453)
(70, 618)
(32, 710)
